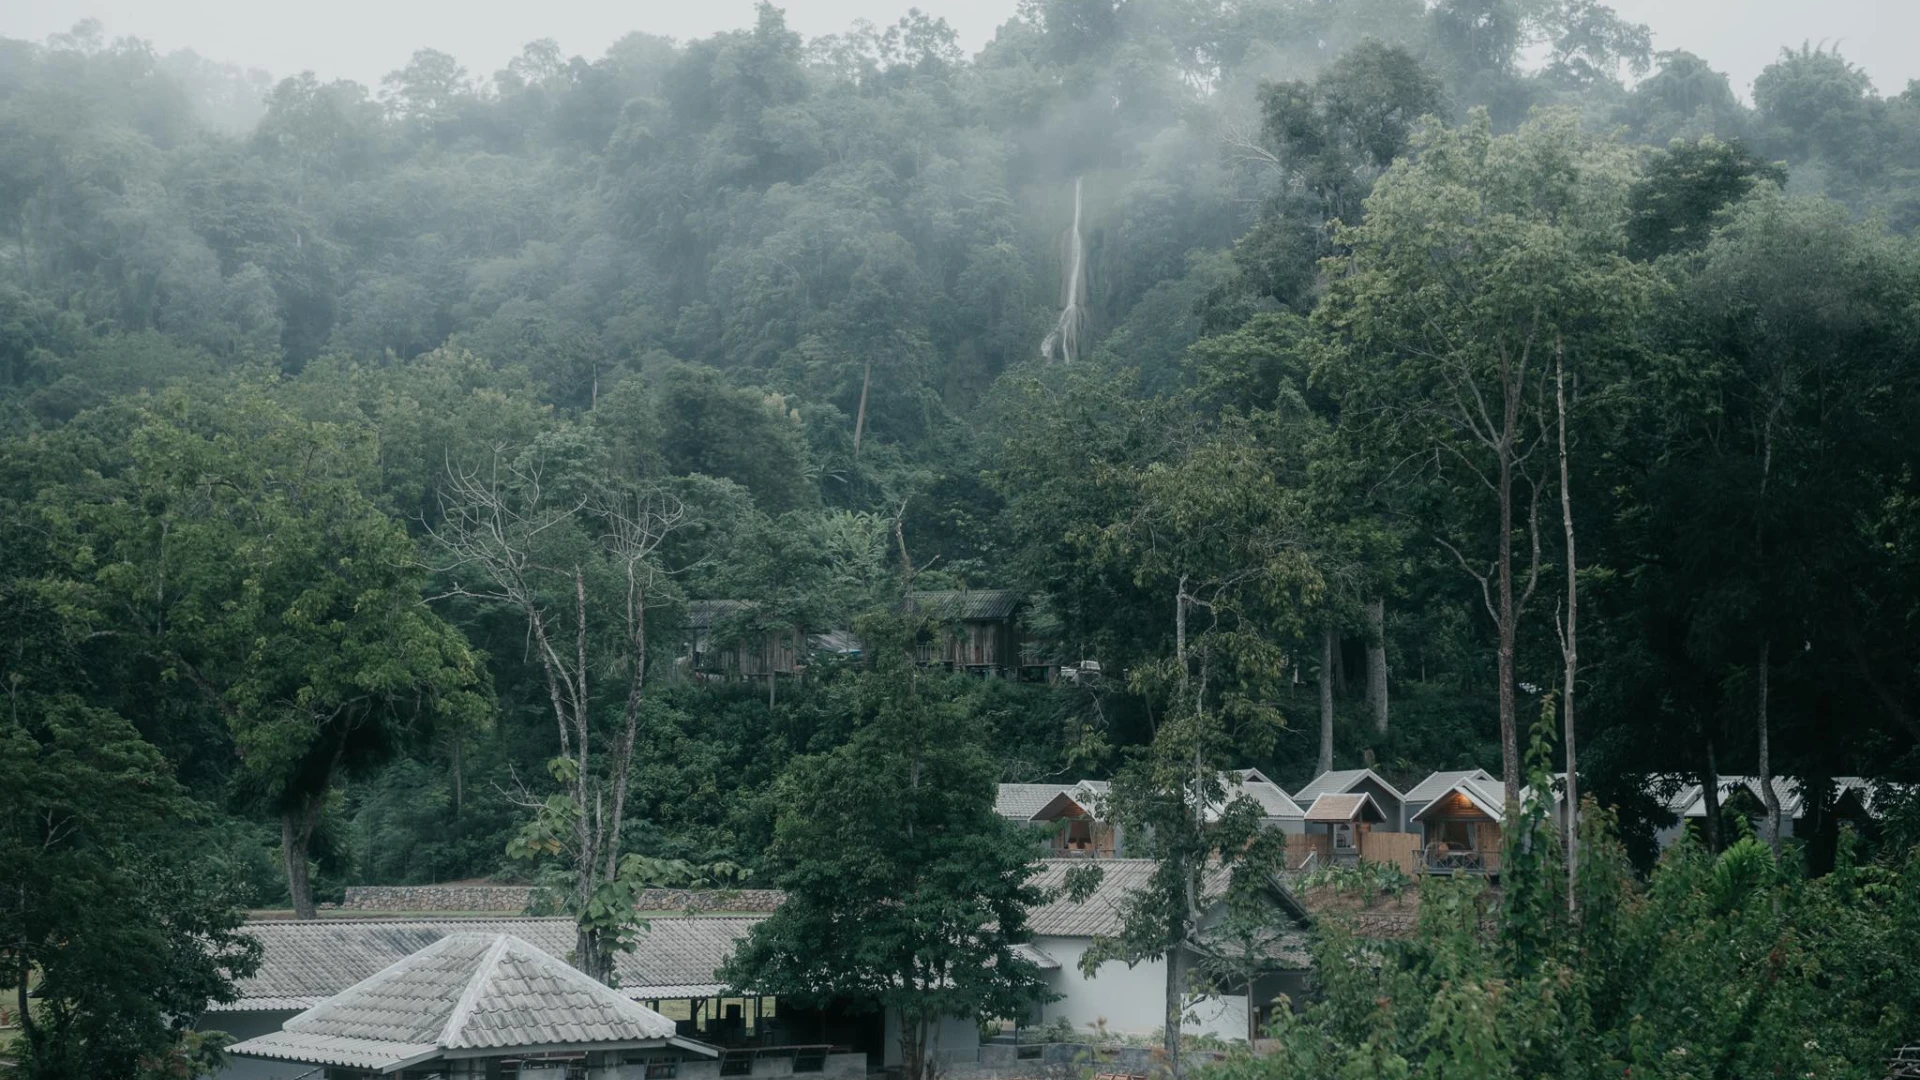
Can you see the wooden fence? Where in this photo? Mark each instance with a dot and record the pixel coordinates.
(1401, 849)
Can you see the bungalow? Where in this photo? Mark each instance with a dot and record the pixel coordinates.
(1388, 798)
(1080, 828)
(1126, 998)
(1278, 810)
(302, 964)
(1459, 816)
(473, 1006)
(1347, 820)
(1853, 798)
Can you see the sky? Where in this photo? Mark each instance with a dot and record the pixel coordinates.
(364, 39)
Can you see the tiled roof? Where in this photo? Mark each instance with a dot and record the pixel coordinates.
(465, 991)
(303, 963)
(1438, 784)
(1339, 808)
(1340, 782)
(967, 604)
(1102, 913)
(1019, 802)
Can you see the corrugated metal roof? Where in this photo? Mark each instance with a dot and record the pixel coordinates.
(1438, 784)
(1483, 792)
(1274, 802)
(1333, 809)
(1341, 782)
(465, 991)
(302, 963)
(965, 605)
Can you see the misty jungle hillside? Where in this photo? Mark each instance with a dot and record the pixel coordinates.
(1321, 368)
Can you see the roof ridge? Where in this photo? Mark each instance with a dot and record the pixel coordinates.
(482, 974)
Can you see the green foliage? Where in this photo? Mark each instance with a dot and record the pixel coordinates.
(125, 936)
(904, 888)
(1719, 966)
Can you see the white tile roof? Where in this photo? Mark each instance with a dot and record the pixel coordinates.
(302, 963)
(466, 991)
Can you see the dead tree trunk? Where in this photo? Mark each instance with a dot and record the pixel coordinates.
(1569, 639)
(1377, 663)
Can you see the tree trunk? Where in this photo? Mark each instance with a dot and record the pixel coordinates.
(860, 417)
(1505, 619)
(296, 830)
(1710, 791)
(1329, 645)
(1377, 663)
(1768, 797)
(1569, 639)
(1176, 985)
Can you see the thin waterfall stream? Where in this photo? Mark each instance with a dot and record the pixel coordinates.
(1064, 339)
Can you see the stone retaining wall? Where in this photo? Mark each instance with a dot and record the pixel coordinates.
(513, 899)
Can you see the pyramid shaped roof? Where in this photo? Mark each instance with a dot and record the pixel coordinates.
(464, 992)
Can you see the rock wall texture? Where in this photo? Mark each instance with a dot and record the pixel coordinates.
(513, 899)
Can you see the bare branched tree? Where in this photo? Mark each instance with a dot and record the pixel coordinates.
(499, 526)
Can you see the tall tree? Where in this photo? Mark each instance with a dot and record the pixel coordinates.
(233, 546)
(1474, 255)
(547, 535)
(905, 890)
(113, 936)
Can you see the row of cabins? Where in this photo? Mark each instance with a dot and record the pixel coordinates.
(728, 639)
(1448, 823)
(494, 998)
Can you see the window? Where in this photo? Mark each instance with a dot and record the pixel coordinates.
(737, 1063)
(811, 1059)
(1343, 836)
(1457, 834)
(658, 1068)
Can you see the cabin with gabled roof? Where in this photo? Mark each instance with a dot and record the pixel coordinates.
(1459, 816)
(1390, 801)
(979, 635)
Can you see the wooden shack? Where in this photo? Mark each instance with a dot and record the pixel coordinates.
(977, 632)
(725, 640)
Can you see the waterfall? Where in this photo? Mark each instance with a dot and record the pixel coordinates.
(1065, 337)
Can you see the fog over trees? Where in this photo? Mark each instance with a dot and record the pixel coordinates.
(1355, 382)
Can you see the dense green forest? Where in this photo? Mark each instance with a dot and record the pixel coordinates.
(1363, 373)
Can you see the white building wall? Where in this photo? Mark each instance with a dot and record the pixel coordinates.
(956, 1041)
(1128, 999)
